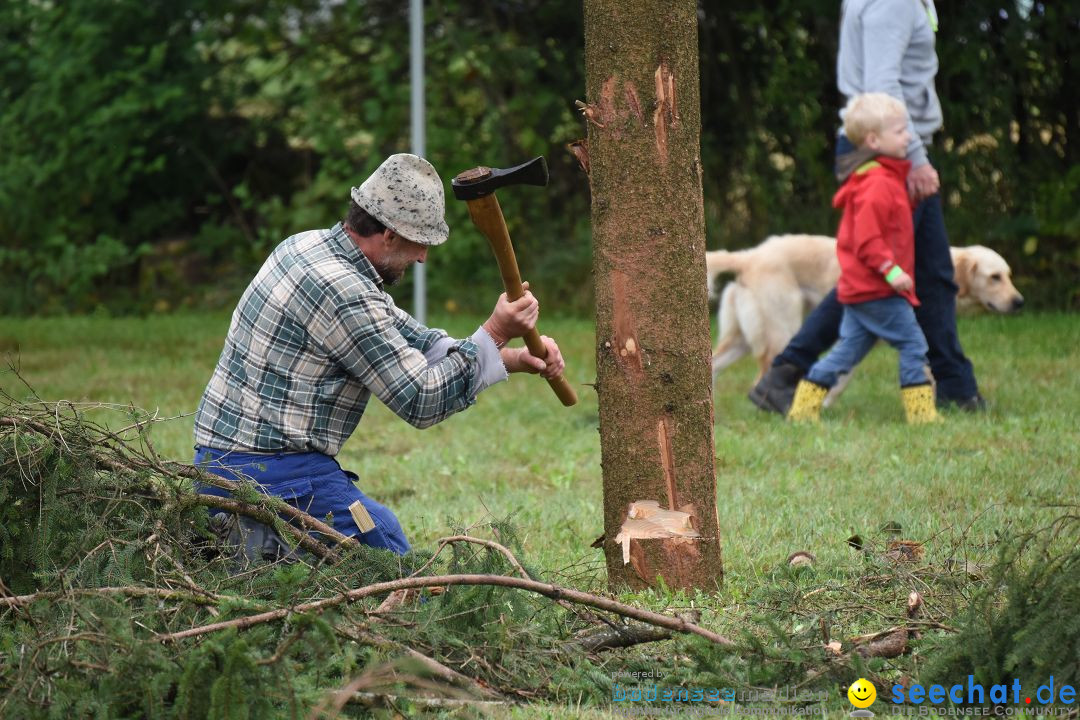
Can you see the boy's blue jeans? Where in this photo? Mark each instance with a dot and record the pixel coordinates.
(312, 482)
(893, 320)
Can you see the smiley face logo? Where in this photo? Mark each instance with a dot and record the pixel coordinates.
(862, 693)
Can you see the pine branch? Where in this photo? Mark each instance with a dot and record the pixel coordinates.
(621, 637)
(432, 665)
(201, 598)
(443, 542)
(551, 591)
(133, 464)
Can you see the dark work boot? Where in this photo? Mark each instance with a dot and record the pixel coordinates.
(974, 404)
(776, 389)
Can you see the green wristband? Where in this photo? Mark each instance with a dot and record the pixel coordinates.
(893, 274)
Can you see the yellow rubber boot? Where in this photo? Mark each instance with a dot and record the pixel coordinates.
(806, 405)
(919, 404)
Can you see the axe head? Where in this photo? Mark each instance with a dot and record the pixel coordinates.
(481, 181)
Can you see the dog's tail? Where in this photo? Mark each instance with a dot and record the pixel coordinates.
(718, 262)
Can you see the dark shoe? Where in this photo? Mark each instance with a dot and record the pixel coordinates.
(246, 541)
(973, 404)
(776, 389)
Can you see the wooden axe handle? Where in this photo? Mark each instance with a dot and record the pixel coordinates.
(488, 218)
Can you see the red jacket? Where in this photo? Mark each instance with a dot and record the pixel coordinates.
(875, 232)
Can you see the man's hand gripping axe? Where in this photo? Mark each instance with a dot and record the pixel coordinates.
(477, 188)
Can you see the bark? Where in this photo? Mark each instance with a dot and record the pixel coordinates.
(652, 319)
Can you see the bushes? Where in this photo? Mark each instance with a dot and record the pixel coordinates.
(1035, 633)
(231, 125)
(100, 99)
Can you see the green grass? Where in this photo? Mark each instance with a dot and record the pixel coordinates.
(958, 487)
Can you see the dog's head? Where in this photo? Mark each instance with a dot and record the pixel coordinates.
(984, 278)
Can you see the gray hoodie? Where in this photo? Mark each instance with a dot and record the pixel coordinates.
(888, 46)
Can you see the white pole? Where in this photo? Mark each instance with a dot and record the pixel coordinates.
(416, 75)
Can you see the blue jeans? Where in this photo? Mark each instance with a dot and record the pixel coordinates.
(936, 315)
(312, 482)
(891, 319)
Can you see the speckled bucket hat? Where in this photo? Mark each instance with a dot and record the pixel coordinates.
(406, 195)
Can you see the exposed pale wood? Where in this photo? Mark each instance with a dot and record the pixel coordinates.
(647, 520)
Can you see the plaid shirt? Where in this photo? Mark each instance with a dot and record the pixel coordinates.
(313, 336)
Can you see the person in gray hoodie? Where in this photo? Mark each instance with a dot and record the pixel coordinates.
(889, 46)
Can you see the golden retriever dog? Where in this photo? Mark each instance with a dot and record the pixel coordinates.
(780, 280)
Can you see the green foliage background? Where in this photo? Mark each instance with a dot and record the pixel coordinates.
(152, 153)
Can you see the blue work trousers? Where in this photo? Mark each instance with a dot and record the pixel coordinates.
(312, 482)
(890, 319)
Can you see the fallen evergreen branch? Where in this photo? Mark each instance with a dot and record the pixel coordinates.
(203, 598)
(621, 637)
(106, 547)
(1035, 632)
(551, 591)
(516, 564)
(131, 463)
(447, 541)
(433, 666)
(105, 551)
(379, 686)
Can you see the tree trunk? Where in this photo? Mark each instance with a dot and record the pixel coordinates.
(652, 318)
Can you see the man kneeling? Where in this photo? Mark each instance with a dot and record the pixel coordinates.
(315, 335)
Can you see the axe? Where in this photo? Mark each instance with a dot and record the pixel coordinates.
(477, 188)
